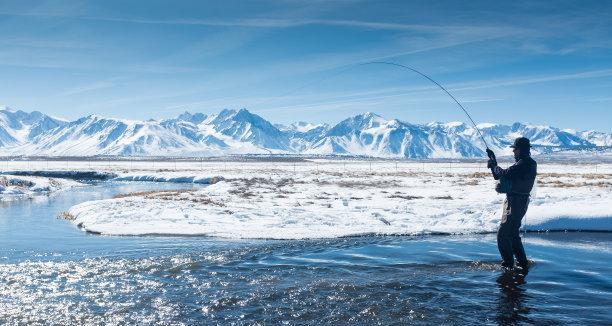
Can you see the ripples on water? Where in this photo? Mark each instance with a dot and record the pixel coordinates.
(370, 280)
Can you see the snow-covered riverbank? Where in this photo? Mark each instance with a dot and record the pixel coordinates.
(268, 201)
(18, 187)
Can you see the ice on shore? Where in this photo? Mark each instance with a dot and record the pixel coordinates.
(592, 214)
(15, 187)
(169, 177)
(64, 174)
(329, 204)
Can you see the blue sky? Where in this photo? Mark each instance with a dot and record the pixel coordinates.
(544, 62)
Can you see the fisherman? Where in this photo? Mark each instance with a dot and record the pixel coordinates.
(517, 182)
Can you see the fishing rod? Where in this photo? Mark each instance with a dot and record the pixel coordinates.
(352, 66)
(436, 83)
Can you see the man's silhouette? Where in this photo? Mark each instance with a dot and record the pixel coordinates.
(517, 182)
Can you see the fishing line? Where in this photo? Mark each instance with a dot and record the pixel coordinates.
(437, 84)
(395, 65)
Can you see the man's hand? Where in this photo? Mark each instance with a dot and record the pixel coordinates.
(490, 154)
(491, 163)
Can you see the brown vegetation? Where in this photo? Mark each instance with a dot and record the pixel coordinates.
(4, 181)
(65, 215)
(575, 184)
(180, 194)
(376, 183)
(242, 192)
(442, 197)
(404, 196)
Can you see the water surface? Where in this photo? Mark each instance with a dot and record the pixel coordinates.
(53, 273)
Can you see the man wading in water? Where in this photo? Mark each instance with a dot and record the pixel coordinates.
(516, 182)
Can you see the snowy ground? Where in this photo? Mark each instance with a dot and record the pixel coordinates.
(321, 199)
(331, 198)
(18, 187)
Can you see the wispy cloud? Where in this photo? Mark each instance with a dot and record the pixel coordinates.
(88, 88)
(44, 43)
(479, 100)
(599, 99)
(279, 23)
(533, 79)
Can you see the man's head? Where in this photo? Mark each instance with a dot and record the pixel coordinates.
(521, 147)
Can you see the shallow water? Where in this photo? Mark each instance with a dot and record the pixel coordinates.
(53, 273)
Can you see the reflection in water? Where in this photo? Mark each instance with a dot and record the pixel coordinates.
(511, 308)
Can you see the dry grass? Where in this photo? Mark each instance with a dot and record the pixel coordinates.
(147, 194)
(560, 180)
(464, 182)
(180, 195)
(378, 183)
(4, 181)
(576, 184)
(405, 196)
(65, 216)
(242, 192)
(442, 197)
(405, 174)
(242, 186)
(590, 176)
(278, 183)
(479, 175)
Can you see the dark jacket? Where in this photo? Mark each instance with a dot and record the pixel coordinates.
(522, 174)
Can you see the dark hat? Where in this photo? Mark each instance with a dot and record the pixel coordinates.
(521, 142)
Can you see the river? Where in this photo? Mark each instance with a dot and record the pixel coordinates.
(53, 273)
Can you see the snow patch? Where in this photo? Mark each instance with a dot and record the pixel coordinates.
(283, 204)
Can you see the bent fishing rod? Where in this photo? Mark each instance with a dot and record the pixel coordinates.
(400, 66)
(436, 83)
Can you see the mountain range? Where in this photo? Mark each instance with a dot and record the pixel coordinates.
(242, 132)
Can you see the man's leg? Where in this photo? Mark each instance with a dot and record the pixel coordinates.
(519, 252)
(504, 240)
(519, 207)
(504, 244)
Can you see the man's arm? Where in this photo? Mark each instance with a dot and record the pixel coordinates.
(492, 163)
(518, 168)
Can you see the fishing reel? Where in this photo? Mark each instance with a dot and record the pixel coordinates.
(503, 186)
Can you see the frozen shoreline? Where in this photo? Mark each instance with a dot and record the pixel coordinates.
(172, 178)
(19, 186)
(274, 203)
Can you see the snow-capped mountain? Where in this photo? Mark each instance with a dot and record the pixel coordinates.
(245, 127)
(93, 135)
(370, 134)
(302, 134)
(242, 132)
(595, 137)
(542, 136)
(18, 127)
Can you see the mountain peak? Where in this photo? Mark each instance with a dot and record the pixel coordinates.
(7, 109)
(195, 118)
(373, 119)
(369, 115)
(244, 113)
